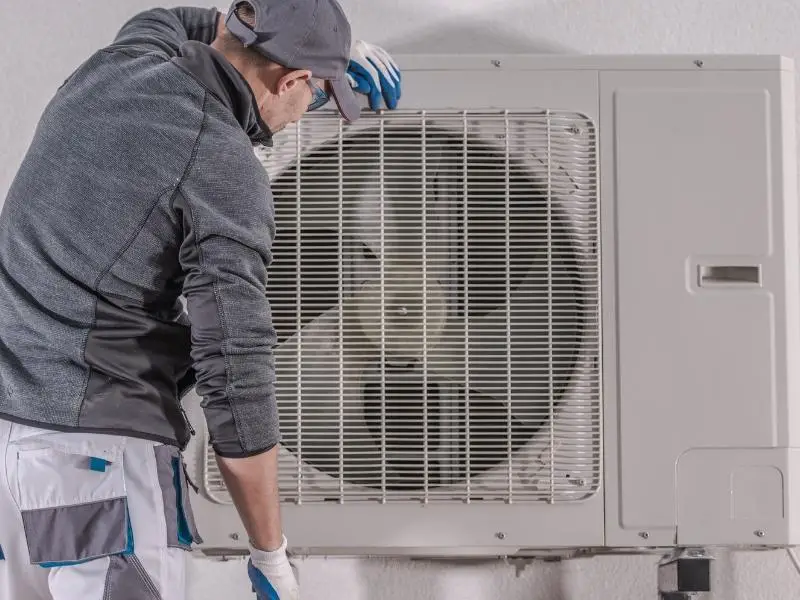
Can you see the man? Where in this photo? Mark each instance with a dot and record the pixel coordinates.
(141, 188)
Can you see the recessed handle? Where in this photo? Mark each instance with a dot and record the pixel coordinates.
(725, 275)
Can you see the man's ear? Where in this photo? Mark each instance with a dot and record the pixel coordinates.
(292, 79)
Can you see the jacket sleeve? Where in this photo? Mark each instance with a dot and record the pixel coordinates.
(164, 30)
(225, 207)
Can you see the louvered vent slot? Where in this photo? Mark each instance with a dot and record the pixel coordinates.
(435, 293)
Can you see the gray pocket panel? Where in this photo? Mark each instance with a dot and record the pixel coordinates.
(70, 534)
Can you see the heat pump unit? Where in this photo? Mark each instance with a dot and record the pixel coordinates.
(550, 303)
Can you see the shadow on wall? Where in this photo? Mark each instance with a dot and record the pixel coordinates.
(472, 37)
(404, 579)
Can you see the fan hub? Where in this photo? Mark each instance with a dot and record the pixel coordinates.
(402, 315)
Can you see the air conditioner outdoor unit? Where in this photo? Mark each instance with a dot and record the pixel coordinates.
(550, 303)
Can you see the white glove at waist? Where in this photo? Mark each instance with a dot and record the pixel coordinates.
(272, 575)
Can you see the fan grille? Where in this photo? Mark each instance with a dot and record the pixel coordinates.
(442, 270)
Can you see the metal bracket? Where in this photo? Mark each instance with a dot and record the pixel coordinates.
(685, 574)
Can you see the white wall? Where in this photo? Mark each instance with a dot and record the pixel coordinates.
(42, 43)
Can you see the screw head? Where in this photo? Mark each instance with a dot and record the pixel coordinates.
(760, 533)
(644, 534)
(500, 535)
(496, 63)
(234, 536)
(402, 311)
(698, 64)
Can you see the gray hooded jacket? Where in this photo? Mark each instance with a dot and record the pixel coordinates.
(141, 186)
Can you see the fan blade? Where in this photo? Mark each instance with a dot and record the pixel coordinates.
(403, 304)
(393, 187)
(529, 369)
(325, 368)
(319, 375)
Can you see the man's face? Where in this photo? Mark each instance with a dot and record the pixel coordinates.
(288, 103)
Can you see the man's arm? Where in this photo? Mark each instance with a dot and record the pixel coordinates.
(164, 30)
(225, 207)
(253, 485)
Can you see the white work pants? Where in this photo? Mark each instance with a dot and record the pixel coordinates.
(91, 517)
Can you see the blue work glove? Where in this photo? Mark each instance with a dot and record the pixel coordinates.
(272, 575)
(373, 72)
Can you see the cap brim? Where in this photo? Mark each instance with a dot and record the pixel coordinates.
(345, 99)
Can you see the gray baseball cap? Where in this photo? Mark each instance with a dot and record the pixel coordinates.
(302, 34)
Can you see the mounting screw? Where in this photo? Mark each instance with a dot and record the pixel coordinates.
(402, 311)
(574, 130)
(760, 533)
(496, 63)
(500, 535)
(644, 534)
(698, 64)
(234, 536)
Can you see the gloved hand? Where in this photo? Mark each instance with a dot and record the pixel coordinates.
(373, 72)
(272, 575)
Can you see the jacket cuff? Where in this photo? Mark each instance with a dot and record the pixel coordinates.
(227, 439)
(235, 451)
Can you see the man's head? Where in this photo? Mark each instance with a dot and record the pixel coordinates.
(293, 53)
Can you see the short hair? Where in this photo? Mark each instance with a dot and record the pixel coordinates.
(246, 13)
(231, 44)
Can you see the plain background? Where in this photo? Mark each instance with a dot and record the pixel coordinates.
(41, 43)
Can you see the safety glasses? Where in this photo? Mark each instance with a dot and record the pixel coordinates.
(319, 97)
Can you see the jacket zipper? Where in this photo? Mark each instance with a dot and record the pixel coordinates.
(186, 420)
